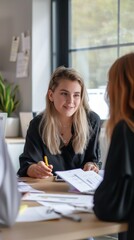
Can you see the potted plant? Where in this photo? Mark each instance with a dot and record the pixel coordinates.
(9, 103)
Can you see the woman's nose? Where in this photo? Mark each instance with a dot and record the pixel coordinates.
(70, 98)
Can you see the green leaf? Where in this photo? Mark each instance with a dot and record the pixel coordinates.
(8, 96)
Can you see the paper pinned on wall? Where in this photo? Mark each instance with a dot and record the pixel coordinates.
(14, 49)
(25, 42)
(22, 64)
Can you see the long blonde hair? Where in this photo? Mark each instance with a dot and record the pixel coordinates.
(49, 126)
(120, 92)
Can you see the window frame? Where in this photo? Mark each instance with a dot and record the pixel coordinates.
(61, 49)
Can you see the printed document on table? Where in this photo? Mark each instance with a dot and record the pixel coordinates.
(24, 187)
(69, 208)
(58, 198)
(38, 213)
(69, 202)
(83, 181)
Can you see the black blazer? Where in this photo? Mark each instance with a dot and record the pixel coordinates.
(114, 198)
(35, 149)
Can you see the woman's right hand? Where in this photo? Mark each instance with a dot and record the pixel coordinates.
(40, 170)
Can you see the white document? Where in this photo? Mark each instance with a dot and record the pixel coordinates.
(25, 41)
(73, 199)
(14, 49)
(69, 208)
(24, 187)
(83, 181)
(64, 203)
(22, 64)
(39, 213)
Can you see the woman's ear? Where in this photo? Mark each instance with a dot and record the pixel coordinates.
(50, 95)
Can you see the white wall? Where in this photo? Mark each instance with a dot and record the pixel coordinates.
(17, 16)
(14, 19)
(40, 52)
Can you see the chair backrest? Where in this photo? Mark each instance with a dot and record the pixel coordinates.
(3, 118)
(25, 118)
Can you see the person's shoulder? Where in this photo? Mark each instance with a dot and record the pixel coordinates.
(120, 125)
(93, 117)
(36, 120)
(120, 129)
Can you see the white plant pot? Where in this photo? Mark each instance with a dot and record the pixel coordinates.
(12, 127)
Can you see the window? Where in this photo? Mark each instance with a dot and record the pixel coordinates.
(98, 32)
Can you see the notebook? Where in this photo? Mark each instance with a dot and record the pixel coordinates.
(3, 118)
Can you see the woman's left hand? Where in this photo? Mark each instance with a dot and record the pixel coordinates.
(91, 166)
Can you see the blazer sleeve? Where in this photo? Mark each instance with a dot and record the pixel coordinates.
(9, 195)
(33, 149)
(114, 197)
(92, 153)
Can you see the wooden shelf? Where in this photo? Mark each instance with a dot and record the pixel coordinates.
(15, 140)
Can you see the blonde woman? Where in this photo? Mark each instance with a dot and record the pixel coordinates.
(66, 132)
(114, 198)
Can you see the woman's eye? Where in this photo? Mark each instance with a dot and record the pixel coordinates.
(64, 93)
(77, 95)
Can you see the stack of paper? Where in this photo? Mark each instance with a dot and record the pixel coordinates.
(67, 203)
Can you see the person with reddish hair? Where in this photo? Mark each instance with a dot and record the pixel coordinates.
(114, 198)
